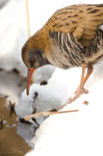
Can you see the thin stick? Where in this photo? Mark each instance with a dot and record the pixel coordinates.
(28, 20)
(28, 117)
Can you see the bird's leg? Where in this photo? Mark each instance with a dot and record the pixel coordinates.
(80, 90)
(89, 71)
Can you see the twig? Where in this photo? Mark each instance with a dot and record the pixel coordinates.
(28, 20)
(28, 117)
(28, 23)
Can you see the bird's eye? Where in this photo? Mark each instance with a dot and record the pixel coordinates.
(31, 60)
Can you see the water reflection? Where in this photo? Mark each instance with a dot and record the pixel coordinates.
(12, 144)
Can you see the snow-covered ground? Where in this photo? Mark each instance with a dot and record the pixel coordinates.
(78, 133)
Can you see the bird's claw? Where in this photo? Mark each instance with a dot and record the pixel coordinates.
(80, 91)
(76, 95)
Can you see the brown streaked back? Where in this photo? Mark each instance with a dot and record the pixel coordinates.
(82, 20)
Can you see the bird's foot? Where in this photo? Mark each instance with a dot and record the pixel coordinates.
(76, 95)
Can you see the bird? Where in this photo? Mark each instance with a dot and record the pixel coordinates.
(72, 37)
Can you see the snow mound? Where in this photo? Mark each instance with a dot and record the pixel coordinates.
(79, 133)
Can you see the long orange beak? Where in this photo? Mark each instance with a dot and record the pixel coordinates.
(29, 78)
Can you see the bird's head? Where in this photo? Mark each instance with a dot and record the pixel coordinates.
(33, 57)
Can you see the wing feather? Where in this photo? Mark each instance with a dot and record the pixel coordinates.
(80, 20)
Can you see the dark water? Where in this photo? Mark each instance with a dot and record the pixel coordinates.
(11, 144)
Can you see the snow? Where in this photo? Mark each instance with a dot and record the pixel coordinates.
(11, 85)
(72, 134)
(78, 133)
(44, 73)
(10, 56)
